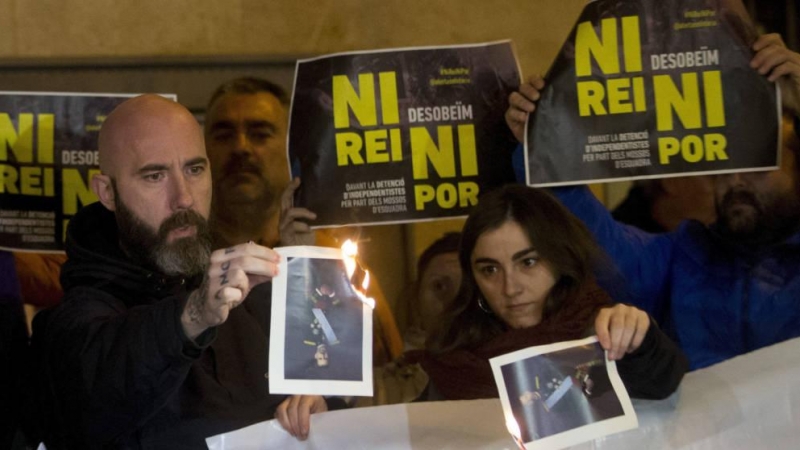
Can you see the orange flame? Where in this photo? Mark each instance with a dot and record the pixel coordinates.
(349, 254)
(365, 283)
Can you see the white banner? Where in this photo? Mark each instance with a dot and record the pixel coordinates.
(749, 402)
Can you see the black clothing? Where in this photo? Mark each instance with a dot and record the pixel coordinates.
(115, 368)
(655, 369)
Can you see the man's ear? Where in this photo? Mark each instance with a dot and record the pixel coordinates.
(101, 185)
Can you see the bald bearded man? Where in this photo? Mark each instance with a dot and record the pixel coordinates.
(154, 345)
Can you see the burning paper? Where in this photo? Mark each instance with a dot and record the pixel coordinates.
(359, 277)
(559, 395)
(321, 326)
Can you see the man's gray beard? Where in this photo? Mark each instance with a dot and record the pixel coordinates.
(187, 256)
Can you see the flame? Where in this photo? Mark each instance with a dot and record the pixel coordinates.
(368, 300)
(349, 254)
(365, 283)
(513, 428)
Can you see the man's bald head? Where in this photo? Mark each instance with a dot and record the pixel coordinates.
(137, 118)
(155, 176)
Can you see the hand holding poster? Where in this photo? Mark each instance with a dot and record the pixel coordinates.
(401, 135)
(48, 155)
(321, 329)
(653, 88)
(559, 395)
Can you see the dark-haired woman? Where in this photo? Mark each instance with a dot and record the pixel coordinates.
(528, 279)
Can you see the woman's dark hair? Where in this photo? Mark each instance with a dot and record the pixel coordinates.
(560, 239)
(446, 244)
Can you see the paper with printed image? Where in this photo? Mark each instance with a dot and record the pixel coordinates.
(559, 395)
(321, 328)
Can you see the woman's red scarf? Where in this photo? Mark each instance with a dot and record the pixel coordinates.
(466, 373)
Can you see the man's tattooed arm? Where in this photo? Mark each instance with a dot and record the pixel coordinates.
(195, 306)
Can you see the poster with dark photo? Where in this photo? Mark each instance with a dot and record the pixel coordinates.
(321, 330)
(562, 394)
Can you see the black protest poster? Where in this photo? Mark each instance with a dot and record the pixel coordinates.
(653, 88)
(401, 135)
(48, 155)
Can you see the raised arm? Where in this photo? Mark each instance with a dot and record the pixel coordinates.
(779, 64)
(642, 258)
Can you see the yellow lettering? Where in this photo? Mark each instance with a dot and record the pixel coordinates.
(348, 148)
(669, 98)
(423, 194)
(590, 98)
(638, 94)
(604, 50)
(345, 99)
(667, 148)
(619, 96)
(423, 149)
(715, 146)
(21, 144)
(30, 180)
(49, 184)
(389, 109)
(349, 145)
(468, 193)
(446, 196)
(715, 108)
(692, 148)
(74, 189)
(44, 138)
(397, 149)
(631, 43)
(466, 149)
(8, 180)
(375, 143)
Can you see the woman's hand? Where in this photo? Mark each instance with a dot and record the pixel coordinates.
(294, 414)
(621, 329)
